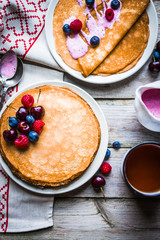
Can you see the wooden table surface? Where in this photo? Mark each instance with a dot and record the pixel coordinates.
(79, 214)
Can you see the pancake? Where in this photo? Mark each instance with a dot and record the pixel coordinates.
(66, 146)
(105, 60)
(128, 51)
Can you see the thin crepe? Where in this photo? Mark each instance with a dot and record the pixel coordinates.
(124, 56)
(130, 12)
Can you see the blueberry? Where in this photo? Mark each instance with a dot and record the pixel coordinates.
(33, 136)
(157, 55)
(89, 3)
(94, 41)
(13, 122)
(108, 153)
(115, 4)
(116, 145)
(66, 29)
(30, 119)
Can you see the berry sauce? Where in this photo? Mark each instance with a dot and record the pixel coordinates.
(76, 46)
(151, 98)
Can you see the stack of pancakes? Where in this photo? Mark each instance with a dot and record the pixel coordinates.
(118, 51)
(66, 146)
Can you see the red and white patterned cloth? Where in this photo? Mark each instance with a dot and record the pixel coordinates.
(22, 30)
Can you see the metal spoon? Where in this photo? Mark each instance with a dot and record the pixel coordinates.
(12, 82)
(8, 67)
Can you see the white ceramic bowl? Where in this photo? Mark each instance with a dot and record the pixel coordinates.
(94, 166)
(144, 116)
(96, 79)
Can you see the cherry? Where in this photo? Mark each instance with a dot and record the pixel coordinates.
(22, 113)
(37, 112)
(158, 46)
(10, 135)
(23, 127)
(98, 182)
(154, 67)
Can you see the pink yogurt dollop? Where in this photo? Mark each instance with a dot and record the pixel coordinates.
(75, 44)
(8, 65)
(151, 98)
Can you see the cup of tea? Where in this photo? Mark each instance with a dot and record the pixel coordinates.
(141, 168)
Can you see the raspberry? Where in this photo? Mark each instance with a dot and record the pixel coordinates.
(76, 26)
(27, 100)
(38, 125)
(109, 14)
(105, 168)
(21, 142)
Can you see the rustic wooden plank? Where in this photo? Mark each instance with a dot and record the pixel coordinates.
(81, 219)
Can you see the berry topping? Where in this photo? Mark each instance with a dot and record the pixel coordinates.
(23, 127)
(105, 168)
(116, 145)
(38, 125)
(66, 29)
(22, 113)
(33, 136)
(98, 182)
(154, 67)
(37, 112)
(10, 135)
(109, 14)
(115, 4)
(94, 41)
(30, 119)
(89, 3)
(157, 55)
(21, 142)
(27, 101)
(108, 153)
(13, 122)
(158, 46)
(76, 25)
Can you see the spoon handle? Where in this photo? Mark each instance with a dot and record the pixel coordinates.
(3, 80)
(3, 96)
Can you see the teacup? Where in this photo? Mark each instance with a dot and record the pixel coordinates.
(141, 168)
(147, 106)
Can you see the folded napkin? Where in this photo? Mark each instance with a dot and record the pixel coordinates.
(22, 30)
(21, 210)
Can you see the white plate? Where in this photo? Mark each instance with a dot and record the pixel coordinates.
(94, 166)
(153, 25)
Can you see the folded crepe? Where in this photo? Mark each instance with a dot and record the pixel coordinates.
(128, 51)
(119, 50)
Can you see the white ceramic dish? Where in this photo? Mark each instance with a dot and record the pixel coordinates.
(96, 79)
(92, 169)
(145, 117)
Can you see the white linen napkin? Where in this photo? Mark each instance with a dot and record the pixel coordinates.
(22, 210)
(22, 30)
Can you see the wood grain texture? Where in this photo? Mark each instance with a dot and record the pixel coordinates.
(80, 219)
(126, 216)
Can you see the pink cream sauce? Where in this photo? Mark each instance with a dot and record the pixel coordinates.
(151, 98)
(76, 46)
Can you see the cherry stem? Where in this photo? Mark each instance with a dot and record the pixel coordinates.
(154, 59)
(11, 107)
(103, 193)
(38, 96)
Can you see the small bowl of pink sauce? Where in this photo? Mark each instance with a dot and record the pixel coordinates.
(147, 106)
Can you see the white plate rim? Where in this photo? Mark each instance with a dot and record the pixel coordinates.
(96, 79)
(94, 166)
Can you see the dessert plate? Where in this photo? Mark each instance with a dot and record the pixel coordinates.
(94, 166)
(97, 79)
